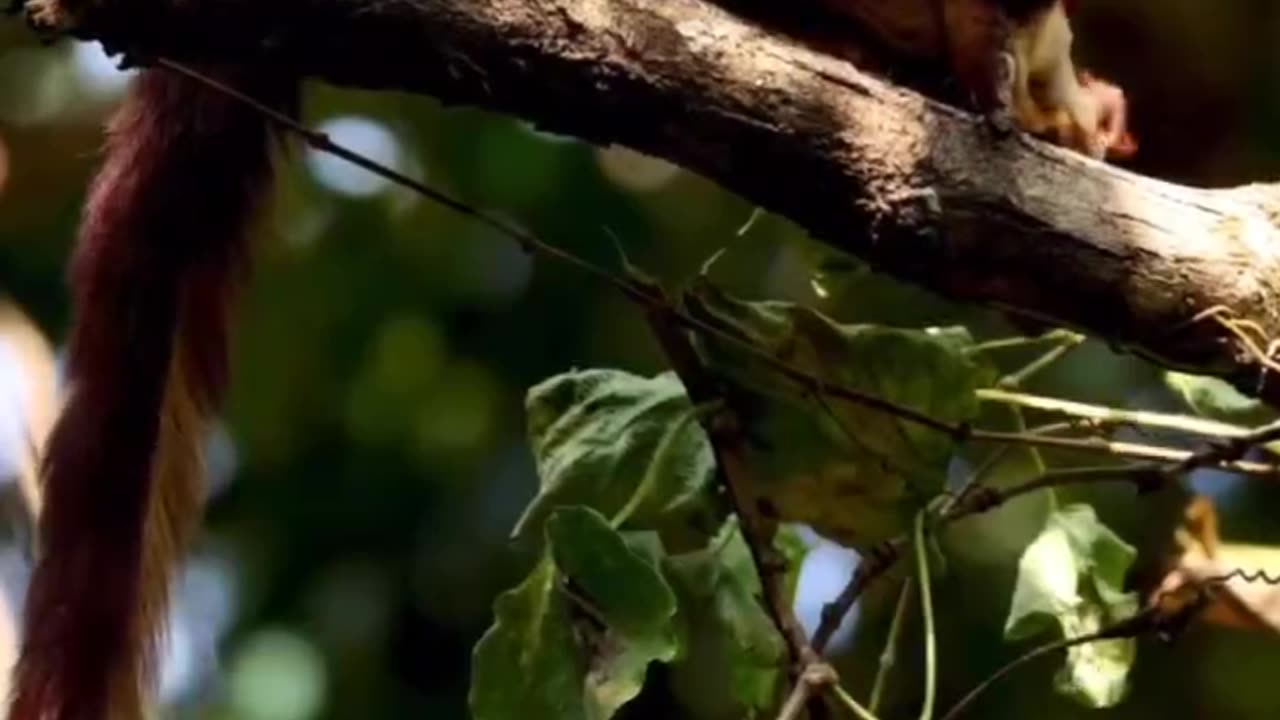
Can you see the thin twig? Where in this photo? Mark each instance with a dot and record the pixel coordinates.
(834, 612)
(649, 300)
(734, 473)
(963, 704)
(993, 459)
(1230, 450)
(1155, 618)
(813, 681)
(801, 694)
(973, 502)
(874, 563)
(1052, 479)
(1166, 614)
(735, 476)
(531, 243)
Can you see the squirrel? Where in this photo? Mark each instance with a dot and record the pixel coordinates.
(161, 248)
(1012, 57)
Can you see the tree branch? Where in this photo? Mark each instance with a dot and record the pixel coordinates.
(1187, 277)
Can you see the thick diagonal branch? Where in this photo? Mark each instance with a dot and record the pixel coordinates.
(1188, 277)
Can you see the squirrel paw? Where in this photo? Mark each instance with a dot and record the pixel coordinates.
(47, 17)
(999, 119)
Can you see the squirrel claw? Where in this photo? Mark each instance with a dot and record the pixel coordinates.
(1000, 123)
(999, 119)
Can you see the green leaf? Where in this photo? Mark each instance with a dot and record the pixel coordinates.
(576, 638)
(623, 586)
(528, 664)
(734, 663)
(613, 441)
(855, 474)
(1215, 398)
(1072, 575)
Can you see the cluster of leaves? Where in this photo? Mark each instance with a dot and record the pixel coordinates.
(642, 561)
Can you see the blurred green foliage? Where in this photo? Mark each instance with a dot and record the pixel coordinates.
(385, 345)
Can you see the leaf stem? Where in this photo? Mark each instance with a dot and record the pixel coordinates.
(889, 656)
(1015, 380)
(852, 705)
(1102, 414)
(1066, 344)
(926, 612)
(1021, 341)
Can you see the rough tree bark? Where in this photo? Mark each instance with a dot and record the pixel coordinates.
(919, 189)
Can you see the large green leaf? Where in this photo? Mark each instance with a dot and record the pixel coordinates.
(1072, 576)
(734, 659)
(854, 473)
(575, 639)
(617, 442)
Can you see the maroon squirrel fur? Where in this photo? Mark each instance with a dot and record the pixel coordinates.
(162, 241)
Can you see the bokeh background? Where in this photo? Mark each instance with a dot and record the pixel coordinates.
(372, 462)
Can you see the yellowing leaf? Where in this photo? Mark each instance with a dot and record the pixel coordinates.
(855, 474)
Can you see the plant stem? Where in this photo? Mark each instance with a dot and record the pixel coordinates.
(1017, 379)
(735, 475)
(889, 656)
(852, 705)
(926, 612)
(1014, 343)
(1099, 413)
(1132, 451)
